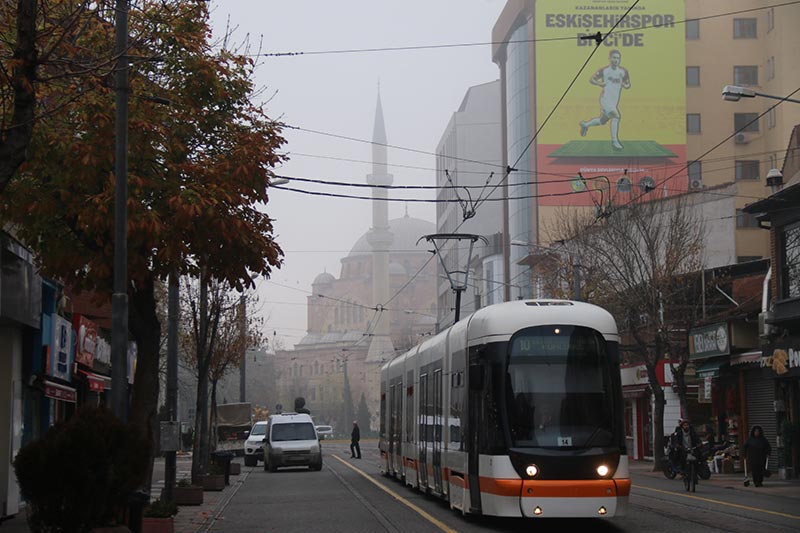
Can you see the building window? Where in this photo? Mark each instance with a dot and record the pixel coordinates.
(745, 121)
(770, 67)
(748, 169)
(693, 76)
(692, 122)
(695, 171)
(791, 261)
(745, 75)
(692, 29)
(771, 118)
(745, 28)
(770, 19)
(745, 220)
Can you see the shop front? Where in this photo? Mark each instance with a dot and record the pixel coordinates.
(638, 398)
(781, 364)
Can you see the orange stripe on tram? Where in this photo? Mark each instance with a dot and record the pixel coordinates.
(590, 488)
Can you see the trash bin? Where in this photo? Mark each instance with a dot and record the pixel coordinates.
(223, 459)
(136, 504)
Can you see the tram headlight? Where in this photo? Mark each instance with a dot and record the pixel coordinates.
(602, 470)
(532, 470)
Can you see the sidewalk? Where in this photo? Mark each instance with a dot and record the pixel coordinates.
(789, 488)
(190, 518)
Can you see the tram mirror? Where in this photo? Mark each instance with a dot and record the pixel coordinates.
(475, 377)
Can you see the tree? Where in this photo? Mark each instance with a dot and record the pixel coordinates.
(198, 176)
(214, 337)
(363, 417)
(642, 262)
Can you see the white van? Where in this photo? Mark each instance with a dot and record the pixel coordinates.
(254, 445)
(291, 440)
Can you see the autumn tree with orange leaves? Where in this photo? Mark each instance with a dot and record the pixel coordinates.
(198, 177)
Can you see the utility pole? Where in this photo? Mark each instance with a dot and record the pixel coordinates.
(119, 299)
(170, 467)
(243, 366)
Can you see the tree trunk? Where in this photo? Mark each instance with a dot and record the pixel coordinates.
(17, 137)
(658, 408)
(213, 434)
(200, 444)
(146, 331)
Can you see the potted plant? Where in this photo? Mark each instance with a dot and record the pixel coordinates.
(184, 493)
(157, 517)
(214, 478)
(236, 468)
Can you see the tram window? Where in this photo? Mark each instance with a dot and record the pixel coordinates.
(558, 381)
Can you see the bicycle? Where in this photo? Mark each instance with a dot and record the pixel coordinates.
(690, 476)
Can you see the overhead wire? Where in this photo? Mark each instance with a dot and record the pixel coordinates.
(496, 43)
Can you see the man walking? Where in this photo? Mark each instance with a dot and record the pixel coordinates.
(355, 436)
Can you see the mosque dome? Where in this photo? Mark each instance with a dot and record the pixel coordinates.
(324, 279)
(406, 232)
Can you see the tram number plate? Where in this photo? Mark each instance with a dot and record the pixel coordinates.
(565, 441)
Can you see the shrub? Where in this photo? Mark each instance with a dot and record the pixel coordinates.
(184, 482)
(160, 509)
(214, 469)
(82, 472)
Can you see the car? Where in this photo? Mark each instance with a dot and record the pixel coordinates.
(254, 445)
(324, 432)
(291, 440)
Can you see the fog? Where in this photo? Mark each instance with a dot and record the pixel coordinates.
(335, 94)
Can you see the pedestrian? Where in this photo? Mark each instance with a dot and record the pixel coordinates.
(300, 406)
(756, 450)
(355, 436)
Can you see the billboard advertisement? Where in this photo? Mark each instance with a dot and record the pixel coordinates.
(621, 128)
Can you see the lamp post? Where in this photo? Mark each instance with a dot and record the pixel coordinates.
(733, 93)
(576, 267)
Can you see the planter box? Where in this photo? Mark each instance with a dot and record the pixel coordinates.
(188, 495)
(157, 525)
(236, 469)
(214, 482)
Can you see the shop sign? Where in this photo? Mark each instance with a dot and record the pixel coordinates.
(59, 360)
(59, 392)
(87, 340)
(709, 341)
(781, 360)
(102, 352)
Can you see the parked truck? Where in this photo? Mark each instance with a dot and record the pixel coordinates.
(233, 424)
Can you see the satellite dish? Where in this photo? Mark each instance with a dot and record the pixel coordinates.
(647, 184)
(624, 184)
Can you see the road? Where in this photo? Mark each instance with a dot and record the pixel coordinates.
(351, 495)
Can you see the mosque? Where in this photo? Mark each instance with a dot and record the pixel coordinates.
(382, 303)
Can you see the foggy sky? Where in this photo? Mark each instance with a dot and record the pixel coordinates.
(336, 94)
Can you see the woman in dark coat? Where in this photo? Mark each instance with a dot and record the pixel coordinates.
(756, 450)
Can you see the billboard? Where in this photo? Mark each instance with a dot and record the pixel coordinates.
(621, 128)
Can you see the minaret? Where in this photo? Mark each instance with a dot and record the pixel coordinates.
(380, 238)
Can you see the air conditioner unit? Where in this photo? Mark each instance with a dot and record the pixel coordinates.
(764, 329)
(695, 184)
(741, 138)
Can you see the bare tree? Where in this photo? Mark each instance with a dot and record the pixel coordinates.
(212, 343)
(641, 263)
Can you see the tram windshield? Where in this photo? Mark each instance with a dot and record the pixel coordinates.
(559, 391)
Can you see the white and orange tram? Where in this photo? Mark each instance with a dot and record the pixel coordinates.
(514, 411)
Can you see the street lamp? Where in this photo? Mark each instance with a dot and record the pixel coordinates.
(733, 93)
(576, 267)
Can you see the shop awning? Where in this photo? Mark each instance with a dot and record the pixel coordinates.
(97, 382)
(709, 369)
(635, 391)
(60, 392)
(746, 357)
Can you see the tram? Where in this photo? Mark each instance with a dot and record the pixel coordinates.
(514, 411)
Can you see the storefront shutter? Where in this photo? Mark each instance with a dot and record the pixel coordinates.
(760, 409)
